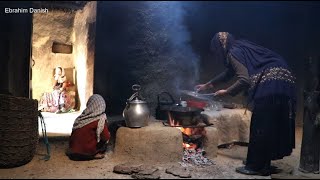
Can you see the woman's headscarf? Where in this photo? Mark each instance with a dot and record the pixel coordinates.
(251, 55)
(62, 77)
(258, 60)
(95, 111)
(220, 45)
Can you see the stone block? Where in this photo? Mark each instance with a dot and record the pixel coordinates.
(211, 142)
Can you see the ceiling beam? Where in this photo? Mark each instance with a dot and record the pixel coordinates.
(60, 5)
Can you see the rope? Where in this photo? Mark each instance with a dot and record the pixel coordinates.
(45, 137)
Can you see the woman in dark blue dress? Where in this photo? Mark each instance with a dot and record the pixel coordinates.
(271, 89)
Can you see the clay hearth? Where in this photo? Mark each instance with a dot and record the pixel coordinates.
(158, 143)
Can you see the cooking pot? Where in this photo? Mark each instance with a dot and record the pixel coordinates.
(168, 109)
(184, 116)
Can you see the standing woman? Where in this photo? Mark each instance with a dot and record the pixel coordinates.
(272, 92)
(90, 133)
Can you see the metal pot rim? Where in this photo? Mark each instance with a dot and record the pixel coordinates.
(181, 109)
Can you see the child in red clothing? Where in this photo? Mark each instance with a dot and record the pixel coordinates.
(90, 133)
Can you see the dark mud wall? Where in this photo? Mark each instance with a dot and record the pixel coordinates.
(15, 48)
(145, 43)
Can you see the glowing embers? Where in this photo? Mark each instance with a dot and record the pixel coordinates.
(194, 139)
(195, 157)
(193, 144)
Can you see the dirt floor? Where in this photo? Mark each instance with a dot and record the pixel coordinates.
(59, 166)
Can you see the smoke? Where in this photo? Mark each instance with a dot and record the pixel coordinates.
(159, 50)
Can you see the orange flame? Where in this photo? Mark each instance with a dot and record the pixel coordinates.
(187, 131)
(189, 146)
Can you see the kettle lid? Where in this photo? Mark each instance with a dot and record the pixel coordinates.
(137, 101)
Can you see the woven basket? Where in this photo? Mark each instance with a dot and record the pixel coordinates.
(19, 134)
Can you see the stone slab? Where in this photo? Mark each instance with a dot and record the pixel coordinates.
(154, 142)
(233, 125)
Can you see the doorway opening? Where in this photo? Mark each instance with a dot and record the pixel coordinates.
(63, 37)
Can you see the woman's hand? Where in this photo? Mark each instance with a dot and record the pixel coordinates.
(202, 87)
(221, 92)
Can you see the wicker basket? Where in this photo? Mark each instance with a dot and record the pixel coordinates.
(19, 134)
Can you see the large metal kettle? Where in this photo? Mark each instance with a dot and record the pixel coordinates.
(136, 113)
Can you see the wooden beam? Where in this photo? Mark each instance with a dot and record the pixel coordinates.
(60, 5)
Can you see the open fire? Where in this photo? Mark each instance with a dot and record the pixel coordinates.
(193, 144)
(193, 137)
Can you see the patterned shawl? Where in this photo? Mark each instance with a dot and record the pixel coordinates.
(95, 111)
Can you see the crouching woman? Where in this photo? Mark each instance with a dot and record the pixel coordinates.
(90, 133)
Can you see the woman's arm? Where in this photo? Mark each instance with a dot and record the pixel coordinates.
(222, 77)
(243, 82)
(105, 134)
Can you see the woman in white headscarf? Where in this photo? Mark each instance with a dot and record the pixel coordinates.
(90, 134)
(58, 100)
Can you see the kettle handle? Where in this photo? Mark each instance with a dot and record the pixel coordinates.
(170, 96)
(136, 87)
(134, 95)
